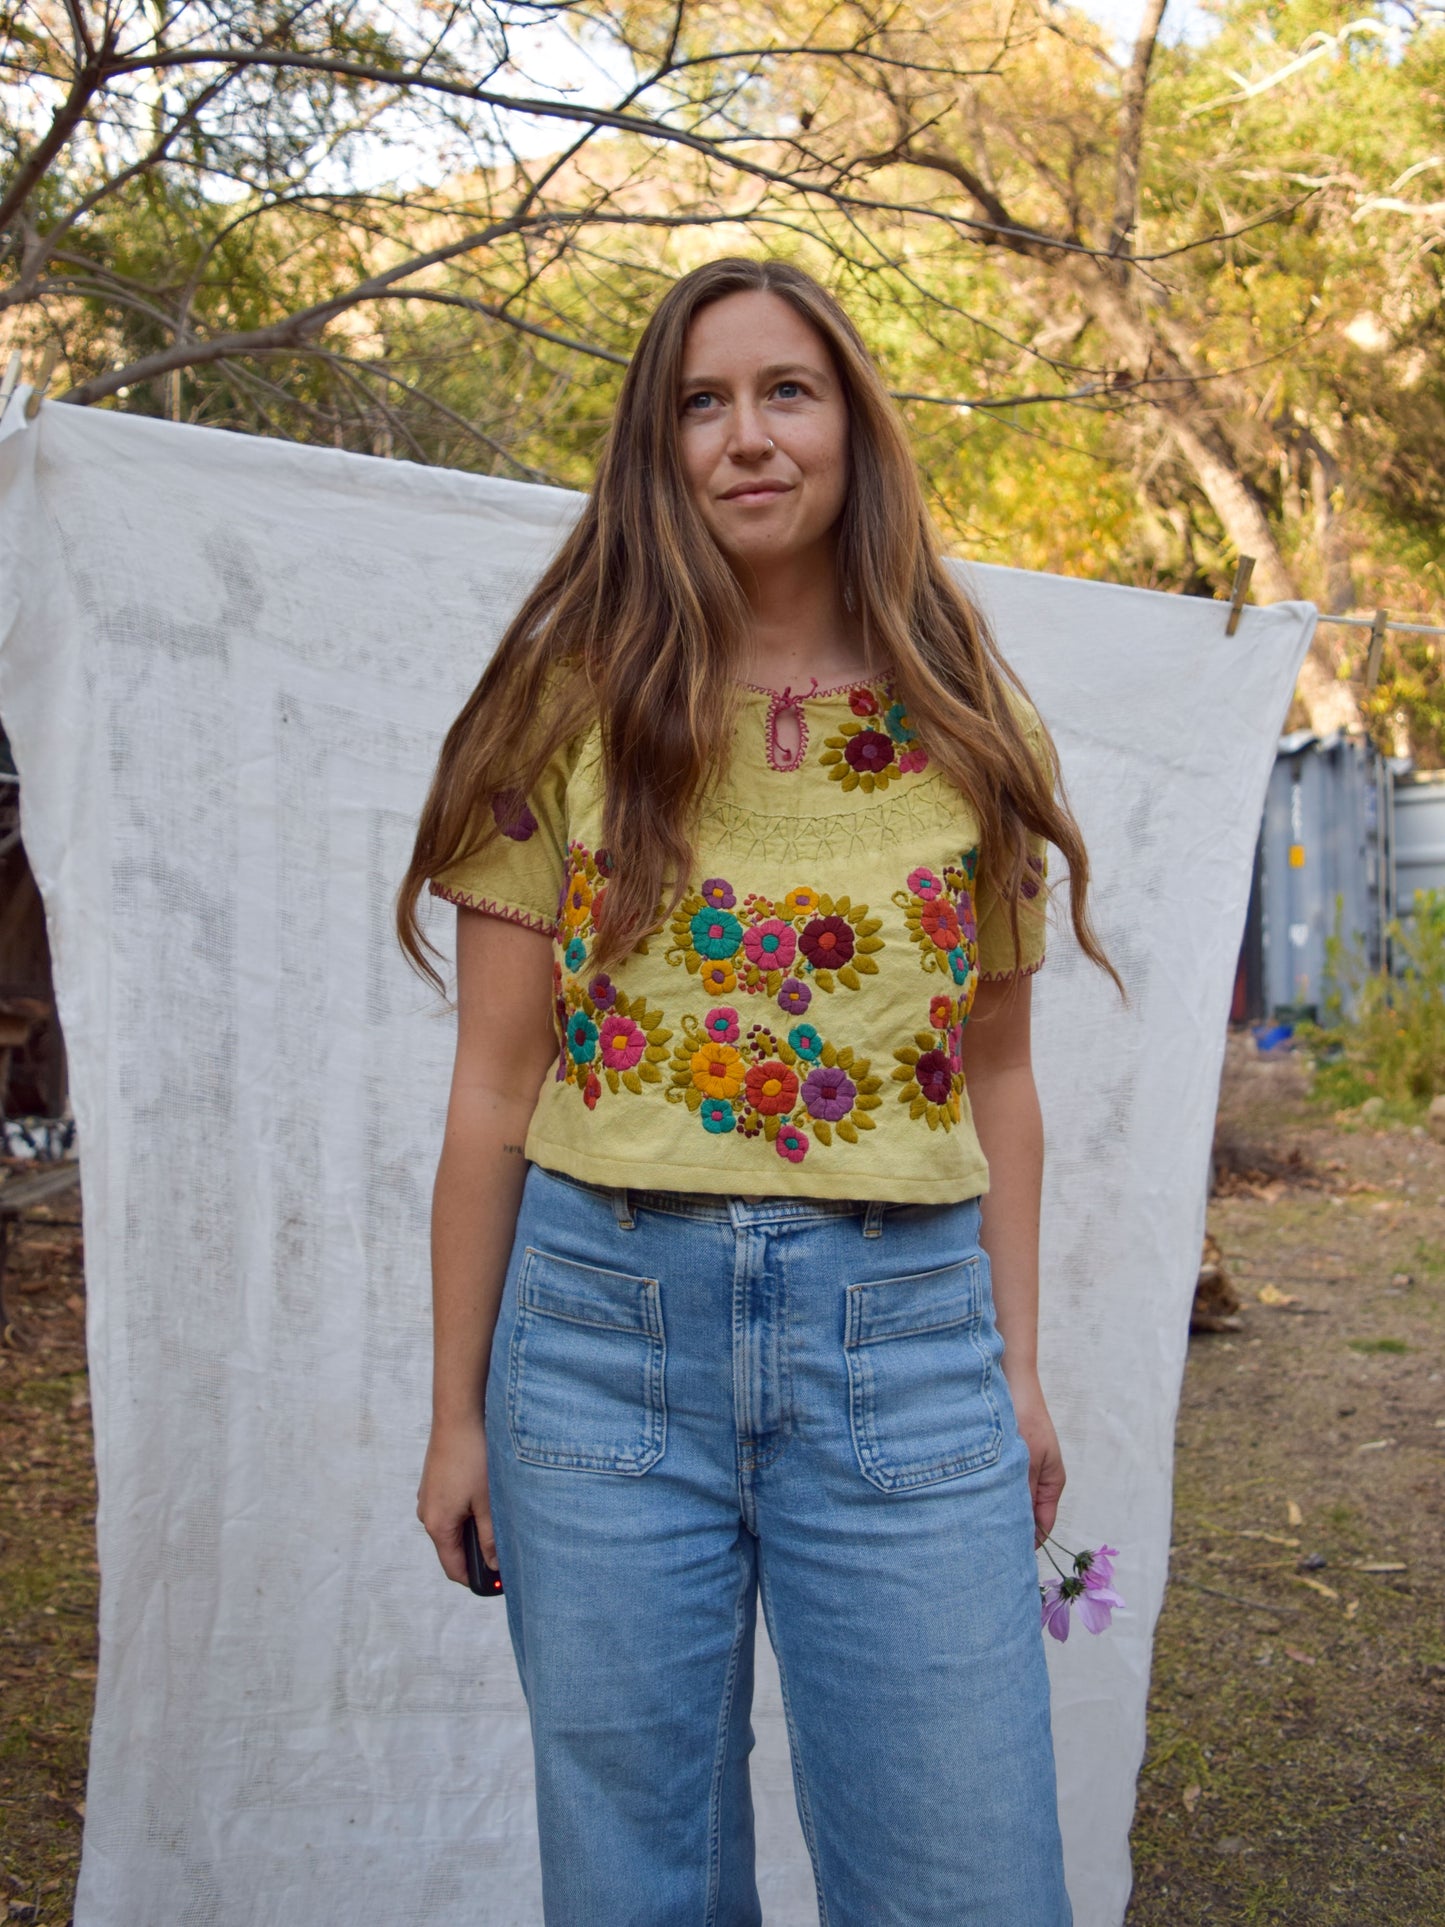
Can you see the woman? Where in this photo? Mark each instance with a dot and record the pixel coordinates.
(747, 812)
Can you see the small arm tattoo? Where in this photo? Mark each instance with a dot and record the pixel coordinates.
(518, 1148)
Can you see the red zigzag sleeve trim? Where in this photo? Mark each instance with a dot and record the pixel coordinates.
(492, 909)
(1002, 976)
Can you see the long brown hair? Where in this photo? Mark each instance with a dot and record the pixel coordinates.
(638, 624)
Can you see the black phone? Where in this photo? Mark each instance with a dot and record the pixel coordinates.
(483, 1579)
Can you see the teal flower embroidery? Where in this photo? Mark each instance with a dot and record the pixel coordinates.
(715, 934)
(581, 1038)
(806, 1042)
(896, 718)
(575, 955)
(717, 1115)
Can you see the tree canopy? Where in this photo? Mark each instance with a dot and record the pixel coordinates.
(1146, 311)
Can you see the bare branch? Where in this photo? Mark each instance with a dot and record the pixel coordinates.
(1131, 129)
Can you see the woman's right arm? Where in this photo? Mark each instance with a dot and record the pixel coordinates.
(506, 1044)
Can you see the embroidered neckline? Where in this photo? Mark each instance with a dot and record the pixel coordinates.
(790, 702)
(815, 694)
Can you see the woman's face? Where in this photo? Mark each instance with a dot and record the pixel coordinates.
(763, 428)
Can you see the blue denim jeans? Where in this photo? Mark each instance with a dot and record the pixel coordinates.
(694, 1400)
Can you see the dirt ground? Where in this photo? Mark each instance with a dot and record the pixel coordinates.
(1295, 1771)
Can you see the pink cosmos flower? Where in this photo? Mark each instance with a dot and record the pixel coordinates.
(1096, 1568)
(1086, 1589)
(1095, 1605)
(1055, 1609)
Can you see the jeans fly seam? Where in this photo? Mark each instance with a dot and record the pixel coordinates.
(719, 1765)
(800, 1781)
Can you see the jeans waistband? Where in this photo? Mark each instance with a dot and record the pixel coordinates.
(720, 1207)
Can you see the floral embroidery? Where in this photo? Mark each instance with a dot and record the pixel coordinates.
(939, 912)
(769, 1086)
(881, 744)
(785, 949)
(512, 816)
(609, 1041)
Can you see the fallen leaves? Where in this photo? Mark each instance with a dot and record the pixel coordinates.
(1272, 1295)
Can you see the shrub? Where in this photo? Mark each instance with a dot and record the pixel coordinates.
(1384, 1035)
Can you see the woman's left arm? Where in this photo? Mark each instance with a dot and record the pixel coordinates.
(998, 1067)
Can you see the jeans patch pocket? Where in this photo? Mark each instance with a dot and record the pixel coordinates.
(921, 1353)
(585, 1368)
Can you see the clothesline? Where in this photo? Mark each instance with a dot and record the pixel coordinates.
(1377, 624)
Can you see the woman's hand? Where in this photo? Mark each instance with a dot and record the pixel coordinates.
(454, 1483)
(1046, 1461)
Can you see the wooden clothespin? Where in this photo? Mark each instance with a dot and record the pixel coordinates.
(12, 375)
(1242, 574)
(1377, 648)
(42, 381)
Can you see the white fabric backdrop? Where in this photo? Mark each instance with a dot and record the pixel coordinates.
(226, 665)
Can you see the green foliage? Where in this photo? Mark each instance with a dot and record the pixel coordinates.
(1384, 1035)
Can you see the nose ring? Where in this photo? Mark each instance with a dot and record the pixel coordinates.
(771, 446)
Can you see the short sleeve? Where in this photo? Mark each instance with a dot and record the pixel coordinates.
(998, 956)
(518, 872)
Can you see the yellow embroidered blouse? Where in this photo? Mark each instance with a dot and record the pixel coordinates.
(794, 1028)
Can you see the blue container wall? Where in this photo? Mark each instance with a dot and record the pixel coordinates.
(1324, 861)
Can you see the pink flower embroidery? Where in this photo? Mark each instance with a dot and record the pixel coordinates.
(912, 760)
(622, 1043)
(771, 945)
(721, 1024)
(792, 1144)
(923, 883)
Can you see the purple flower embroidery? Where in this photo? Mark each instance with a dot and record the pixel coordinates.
(869, 750)
(935, 1076)
(717, 894)
(829, 1093)
(513, 818)
(603, 992)
(794, 997)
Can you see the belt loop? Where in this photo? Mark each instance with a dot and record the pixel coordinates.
(873, 1219)
(622, 1205)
